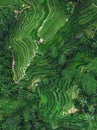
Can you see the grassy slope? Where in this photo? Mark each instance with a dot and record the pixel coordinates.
(64, 65)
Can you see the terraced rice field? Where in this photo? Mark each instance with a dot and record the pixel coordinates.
(31, 27)
(54, 54)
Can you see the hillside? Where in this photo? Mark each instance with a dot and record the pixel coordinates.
(48, 65)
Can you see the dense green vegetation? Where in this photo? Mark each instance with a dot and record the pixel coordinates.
(48, 65)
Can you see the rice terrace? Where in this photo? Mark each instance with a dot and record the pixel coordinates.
(48, 64)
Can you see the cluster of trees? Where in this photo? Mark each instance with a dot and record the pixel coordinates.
(5, 54)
